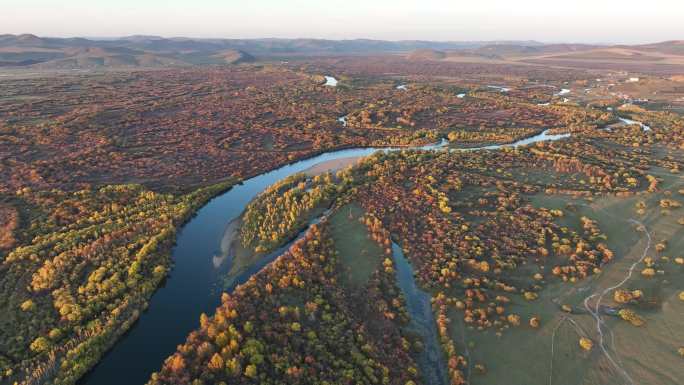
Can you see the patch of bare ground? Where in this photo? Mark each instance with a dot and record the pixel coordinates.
(332, 165)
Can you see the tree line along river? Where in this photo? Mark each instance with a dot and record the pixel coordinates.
(194, 287)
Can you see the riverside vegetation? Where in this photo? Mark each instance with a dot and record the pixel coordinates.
(493, 236)
(470, 224)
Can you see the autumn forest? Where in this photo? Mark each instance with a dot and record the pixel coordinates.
(374, 219)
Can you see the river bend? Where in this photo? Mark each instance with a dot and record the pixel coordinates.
(194, 285)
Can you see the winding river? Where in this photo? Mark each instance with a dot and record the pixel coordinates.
(194, 285)
(431, 358)
(499, 88)
(630, 122)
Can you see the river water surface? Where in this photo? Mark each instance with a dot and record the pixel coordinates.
(194, 285)
(431, 359)
(631, 122)
(330, 81)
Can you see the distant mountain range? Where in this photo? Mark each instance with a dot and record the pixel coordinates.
(135, 51)
(31, 51)
(153, 51)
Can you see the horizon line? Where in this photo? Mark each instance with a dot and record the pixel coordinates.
(189, 37)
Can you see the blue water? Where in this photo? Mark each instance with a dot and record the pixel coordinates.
(194, 285)
(431, 360)
(330, 81)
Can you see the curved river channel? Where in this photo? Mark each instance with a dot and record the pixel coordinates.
(194, 285)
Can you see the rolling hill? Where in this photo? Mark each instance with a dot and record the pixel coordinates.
(153, 51)
(427, 54)
(137, 51)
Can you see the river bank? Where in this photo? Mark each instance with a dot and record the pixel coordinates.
(195, 285)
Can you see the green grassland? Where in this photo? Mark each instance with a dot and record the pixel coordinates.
(359, 255)
(551, 353)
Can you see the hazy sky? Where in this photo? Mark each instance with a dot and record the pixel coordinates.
(623, 21)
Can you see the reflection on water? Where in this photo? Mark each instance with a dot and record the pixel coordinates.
(330, 81)
(544, 136)
(500, 88)
(631, 122)
(343, 120)
(431, 359)
(195, 283)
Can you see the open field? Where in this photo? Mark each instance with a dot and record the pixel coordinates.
(359, 255)
(666, 58)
